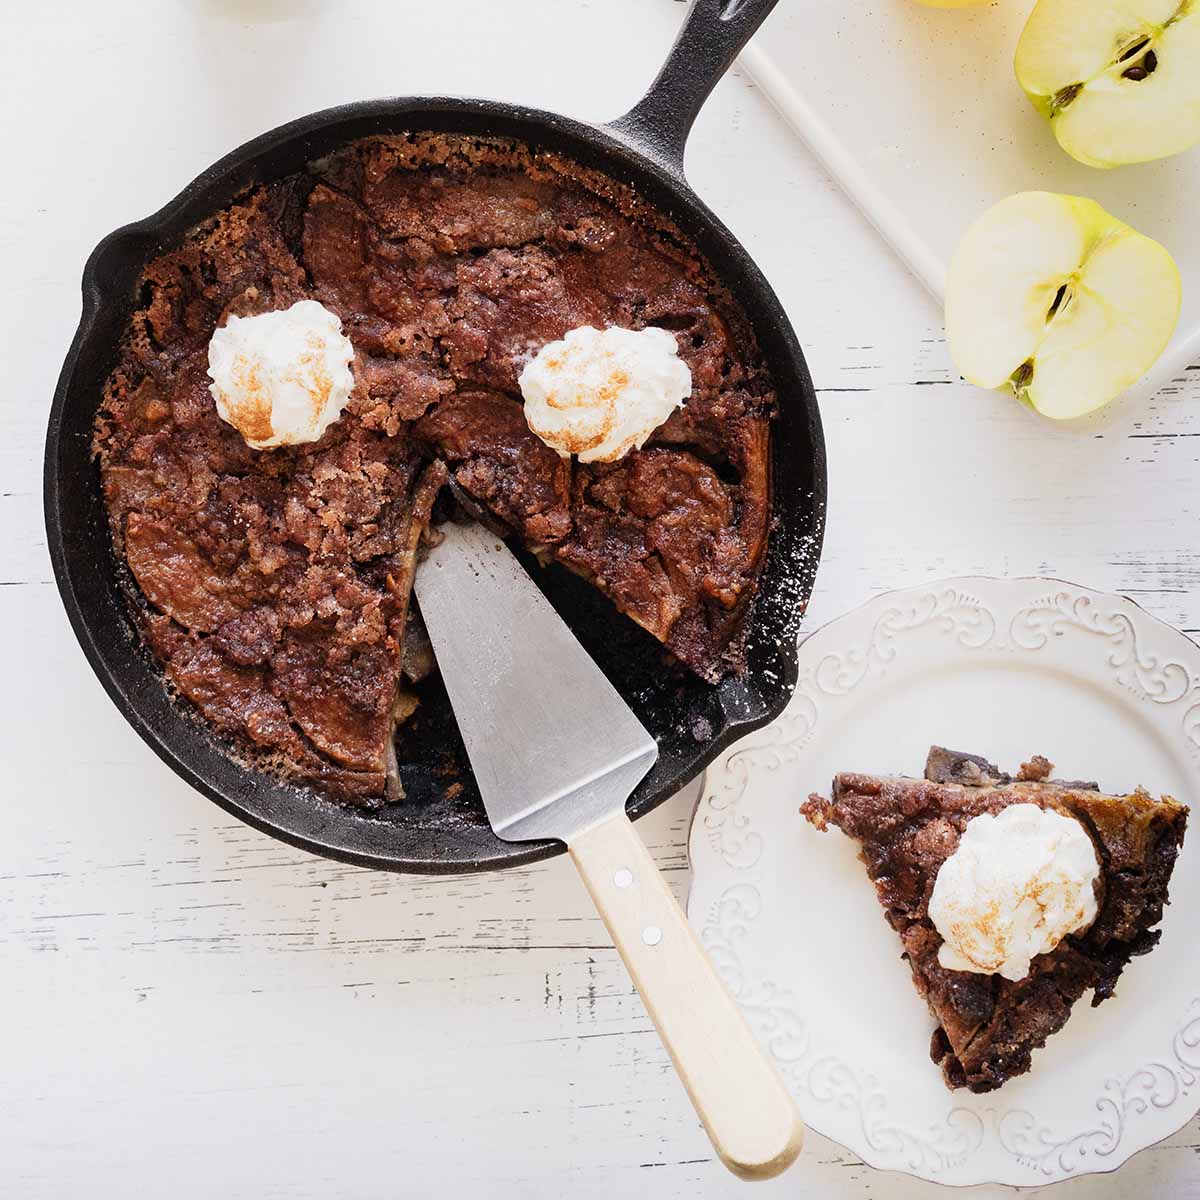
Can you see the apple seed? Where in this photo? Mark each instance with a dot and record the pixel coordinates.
(1135, 49)
(1147, 66)
(1059, 300)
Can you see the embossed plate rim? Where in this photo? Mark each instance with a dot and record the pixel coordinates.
(1159, 667)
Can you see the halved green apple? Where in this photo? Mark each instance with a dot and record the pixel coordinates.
(1118, 79)
(1054, 299)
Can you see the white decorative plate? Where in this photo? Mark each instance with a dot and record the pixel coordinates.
(1004, 668)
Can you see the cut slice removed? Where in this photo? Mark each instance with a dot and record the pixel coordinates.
(988, 1027)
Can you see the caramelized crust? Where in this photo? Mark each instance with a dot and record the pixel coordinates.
(274, 586)
(988, 1026)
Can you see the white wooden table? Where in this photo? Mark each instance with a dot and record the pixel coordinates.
(189, 1009)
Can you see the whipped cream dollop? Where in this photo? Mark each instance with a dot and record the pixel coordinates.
(1019, 882)
(600, 393)
(281, 377)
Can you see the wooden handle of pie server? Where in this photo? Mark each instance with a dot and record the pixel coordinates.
(737, 1093)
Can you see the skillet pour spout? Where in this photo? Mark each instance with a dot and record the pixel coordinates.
(438, 828)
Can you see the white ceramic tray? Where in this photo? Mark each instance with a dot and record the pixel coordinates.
(1004, 668)
(917, 114)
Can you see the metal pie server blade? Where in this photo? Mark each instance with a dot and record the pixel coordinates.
(553, 746)
(556, 753)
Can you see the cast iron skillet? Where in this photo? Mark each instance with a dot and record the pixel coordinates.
(439, 827)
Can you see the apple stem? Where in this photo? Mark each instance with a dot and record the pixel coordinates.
(1022, 377)
(1064, 96)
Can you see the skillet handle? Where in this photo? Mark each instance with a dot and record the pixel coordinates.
(713, 34)
(737, 1093)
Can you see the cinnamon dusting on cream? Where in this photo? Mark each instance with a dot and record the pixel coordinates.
(598, 394)
(281, 377)
(1018, 883)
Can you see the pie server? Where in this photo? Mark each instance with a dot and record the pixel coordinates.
(556, 753)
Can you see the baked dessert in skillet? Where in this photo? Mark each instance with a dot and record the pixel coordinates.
(271, 575)
(1012, 897)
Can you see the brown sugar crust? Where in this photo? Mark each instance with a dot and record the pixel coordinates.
(274, 586)
(988, 1026)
